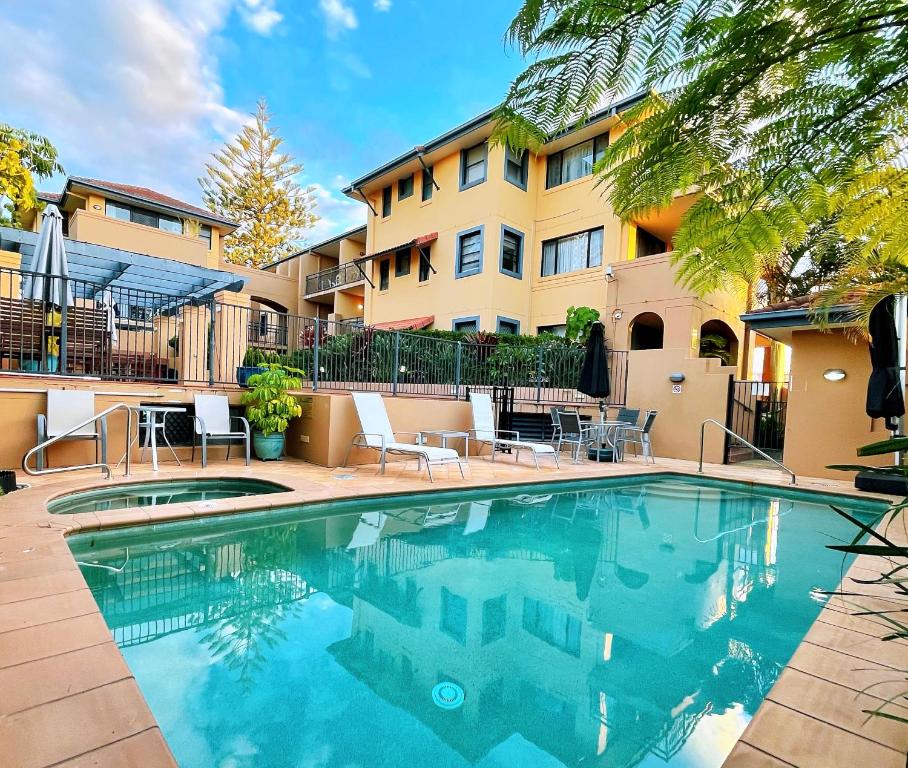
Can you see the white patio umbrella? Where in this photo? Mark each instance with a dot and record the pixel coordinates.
(49, 264)
(106, 301)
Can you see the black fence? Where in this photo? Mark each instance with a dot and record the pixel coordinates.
(757, 412)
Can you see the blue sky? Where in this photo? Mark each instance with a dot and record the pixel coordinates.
(142, 91)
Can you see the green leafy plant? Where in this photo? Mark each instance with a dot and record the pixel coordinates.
(269, 406)
(714, 345)
(253, 358)
(578, 323)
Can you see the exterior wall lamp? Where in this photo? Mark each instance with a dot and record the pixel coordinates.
(834, 374)
(676, 378)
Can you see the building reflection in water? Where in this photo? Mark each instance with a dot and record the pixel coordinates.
(600, 626)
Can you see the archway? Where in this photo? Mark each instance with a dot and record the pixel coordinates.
(647, 331)
(717, 339)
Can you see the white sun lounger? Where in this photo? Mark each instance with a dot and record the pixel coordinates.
(484, 432)
(378, 435)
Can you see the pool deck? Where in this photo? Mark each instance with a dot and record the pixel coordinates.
(67, 697)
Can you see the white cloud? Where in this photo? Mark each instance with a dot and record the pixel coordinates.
(260, 15)
(382, 5)
(337, 213)
(339, 17)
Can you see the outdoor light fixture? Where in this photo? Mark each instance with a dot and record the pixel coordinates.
(609, 273)
(402, 369)
(359, 306)
(617, 315)
(833, 374)
(676, 378)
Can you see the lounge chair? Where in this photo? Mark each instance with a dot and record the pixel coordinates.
(378, 435)
(484, 432)
(637, 436)
(212, 424)
(65, 409)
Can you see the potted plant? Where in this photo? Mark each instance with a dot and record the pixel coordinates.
(269, 408)
(253, 363)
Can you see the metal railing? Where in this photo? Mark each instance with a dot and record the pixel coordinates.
(103, 466)
(754, 448)
(342, 275)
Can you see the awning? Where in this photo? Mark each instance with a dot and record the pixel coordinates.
(415, 242)
(413, 324)
(132, 278)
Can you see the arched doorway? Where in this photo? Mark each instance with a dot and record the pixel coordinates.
(647, 331)
(718, 340)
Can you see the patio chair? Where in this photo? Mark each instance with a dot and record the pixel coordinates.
(65, 409)
(626, 416)
(378, 435)
(637, 436)
(484, 432)
(213, 424)
(556, 424)
(575, 433)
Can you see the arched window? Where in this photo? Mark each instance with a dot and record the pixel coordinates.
(717, 339)
(647, 330)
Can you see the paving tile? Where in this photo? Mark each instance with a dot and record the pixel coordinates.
(41, 610)
(37, 566)
(56, 677)
(745, 756)
(841, 707)
(39, 586)
(144, 750)
(858, 645)
(60, 730)
(809, 743)
(33, 643)
(847, 671)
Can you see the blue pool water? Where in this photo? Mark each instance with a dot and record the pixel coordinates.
(611, 624)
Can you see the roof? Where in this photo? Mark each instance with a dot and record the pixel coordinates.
(412, 324)
(801, 302)
(132, 278)
(50, 197)
(478, 122)
(778, 320)
(416, 241)
(149, 196)
(350, 233)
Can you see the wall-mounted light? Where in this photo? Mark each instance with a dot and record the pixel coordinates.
(617, 315)
(609, 273)
(833, 374)
(676, 378)
(96, 207)
(359, 306)
(402, 369)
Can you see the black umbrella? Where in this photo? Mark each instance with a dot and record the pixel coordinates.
(884, 390)
(594, 374)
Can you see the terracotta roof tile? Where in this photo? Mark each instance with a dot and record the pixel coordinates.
(411, 324)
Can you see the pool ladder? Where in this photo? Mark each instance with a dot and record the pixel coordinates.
(105, 468)
(725, 429)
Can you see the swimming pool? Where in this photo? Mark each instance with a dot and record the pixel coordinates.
(609, 623)
(151, 494)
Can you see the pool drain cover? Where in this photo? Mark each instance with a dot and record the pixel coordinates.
(343, 477)
(447, 695)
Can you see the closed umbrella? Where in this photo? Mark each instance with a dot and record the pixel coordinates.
(884, 390)
(49, 264)
(594, 374)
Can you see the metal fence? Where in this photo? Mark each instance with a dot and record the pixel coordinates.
(344, 274)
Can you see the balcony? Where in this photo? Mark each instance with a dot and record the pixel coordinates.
(342, 276)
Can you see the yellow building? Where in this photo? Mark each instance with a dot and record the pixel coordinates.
(466, 236)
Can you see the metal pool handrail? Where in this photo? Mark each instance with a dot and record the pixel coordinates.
(725, 429)
(98, 465)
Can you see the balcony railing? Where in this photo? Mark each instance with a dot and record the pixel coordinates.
(333, 278)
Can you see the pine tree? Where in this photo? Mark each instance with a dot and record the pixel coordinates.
(251, 182)
(790, 117)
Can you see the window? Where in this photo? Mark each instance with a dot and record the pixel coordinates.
(386, 202)
(516, 168)
(454, 615)
(425, 260)
(473, 165)
(568, 254)
(494, 619)
(574, 162)
(556, 330)
(402, 262)
(552, 625)
(469, 253)
(648, 244)
(405, 187)
(145, 217)
(205, 234)
(384, 274)
(511, 262)
(507, 325)
(466, 325)
(428, 185)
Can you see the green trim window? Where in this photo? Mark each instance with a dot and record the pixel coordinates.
(384, 274)
(386, 202)
(144, 217)
(572, 252)
(574, 162)
(405, 187)
(516, 167)
(428, 186)
(473, 162)
(465, 324)
(402, 262)
(507, 325)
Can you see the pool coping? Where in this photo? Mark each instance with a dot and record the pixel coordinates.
(75, 696)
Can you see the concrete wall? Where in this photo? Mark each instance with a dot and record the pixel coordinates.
(826, 422)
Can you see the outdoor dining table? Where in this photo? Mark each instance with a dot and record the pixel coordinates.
(151, 425)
